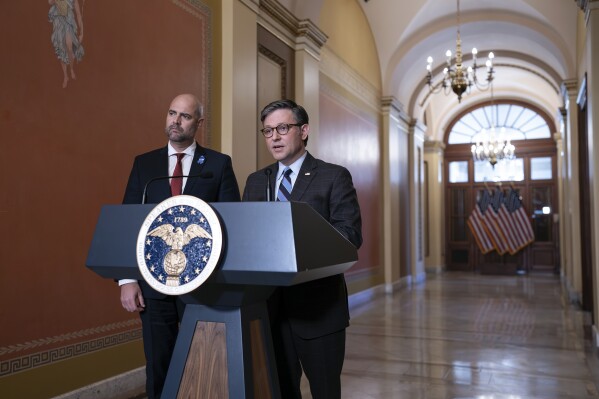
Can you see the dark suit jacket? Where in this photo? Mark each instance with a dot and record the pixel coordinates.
(319, 307)
(217, 182)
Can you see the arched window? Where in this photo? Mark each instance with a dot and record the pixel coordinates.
(514, 121)
(532, 174)
(508, 121)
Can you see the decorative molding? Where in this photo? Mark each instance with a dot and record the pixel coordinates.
(392, 104)
(341, 73)
(434, 146)
(587, 6)
(582, 4)
(296, 33)
(280, 62)
(569, 88)
(336, 92)
(253, 5)
(55, 354)
(308, 30)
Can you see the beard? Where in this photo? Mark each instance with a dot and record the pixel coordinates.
(177, 134)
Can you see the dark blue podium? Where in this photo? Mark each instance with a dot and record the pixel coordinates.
(224, 347)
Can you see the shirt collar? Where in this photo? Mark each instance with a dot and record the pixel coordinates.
(295, 167)
(188, 151)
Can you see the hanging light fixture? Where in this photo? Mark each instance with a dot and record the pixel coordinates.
(493, 148)
(456, 77)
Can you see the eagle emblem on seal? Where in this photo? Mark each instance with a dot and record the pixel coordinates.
(179, 245)
(175, 261)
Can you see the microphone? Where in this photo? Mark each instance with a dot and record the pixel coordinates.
(205, 175)
(267, 172)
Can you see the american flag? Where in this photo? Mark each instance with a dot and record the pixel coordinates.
(494, 226)
(519, 220)
(500, 222)
(475, 222)
(479, 222)
(504, 222)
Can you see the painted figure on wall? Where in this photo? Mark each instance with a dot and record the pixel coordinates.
(65, 39)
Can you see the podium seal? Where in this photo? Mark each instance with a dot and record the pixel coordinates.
(179, 245)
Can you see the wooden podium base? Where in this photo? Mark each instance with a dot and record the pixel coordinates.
(223, 352)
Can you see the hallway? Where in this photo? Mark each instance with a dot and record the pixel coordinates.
(468, 336)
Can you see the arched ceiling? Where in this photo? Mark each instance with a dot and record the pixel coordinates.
(534, 42)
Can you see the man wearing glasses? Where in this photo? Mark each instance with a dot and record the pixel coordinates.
(308, 320)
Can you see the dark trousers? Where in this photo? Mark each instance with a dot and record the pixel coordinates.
(160, 326)
(320, 358)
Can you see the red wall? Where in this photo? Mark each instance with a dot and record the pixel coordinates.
(350, 138)
(67, 151)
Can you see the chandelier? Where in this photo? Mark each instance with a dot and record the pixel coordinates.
(456, 77)
(493, 147)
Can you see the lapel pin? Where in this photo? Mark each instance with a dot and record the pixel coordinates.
(307, 174)
(201, 160)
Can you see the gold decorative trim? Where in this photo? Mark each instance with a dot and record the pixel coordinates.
(55, 354)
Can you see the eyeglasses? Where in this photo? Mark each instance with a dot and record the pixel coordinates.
(282, 129)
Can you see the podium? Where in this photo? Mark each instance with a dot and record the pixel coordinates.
(224, 347)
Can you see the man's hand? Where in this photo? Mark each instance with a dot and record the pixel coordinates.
(132, 298)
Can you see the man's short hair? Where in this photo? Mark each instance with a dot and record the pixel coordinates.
(299, 113)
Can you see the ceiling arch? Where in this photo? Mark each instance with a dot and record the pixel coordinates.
(534, 42)
(407, 65)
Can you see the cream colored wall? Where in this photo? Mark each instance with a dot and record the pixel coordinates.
(269, 89)
(350, 37)
(307, 90)
(394, 129)
(435, 228)
(570, 251)
(571, 204)
(239, 85)
(351, 59)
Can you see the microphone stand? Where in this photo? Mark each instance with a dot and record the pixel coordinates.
(205, 175)
(267, 172)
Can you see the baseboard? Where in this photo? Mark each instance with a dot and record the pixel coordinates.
(115, 387)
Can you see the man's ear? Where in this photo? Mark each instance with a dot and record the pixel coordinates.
(305, 129)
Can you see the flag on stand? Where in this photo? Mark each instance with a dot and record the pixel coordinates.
(476, 221)
(493, 225)
(502, 220)
(519, 219)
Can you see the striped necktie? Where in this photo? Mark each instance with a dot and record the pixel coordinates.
(285, 187)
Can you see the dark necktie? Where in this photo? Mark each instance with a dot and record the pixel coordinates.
(177, 183)
(285, 187)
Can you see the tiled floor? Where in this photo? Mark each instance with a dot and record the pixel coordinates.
(467, 336)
